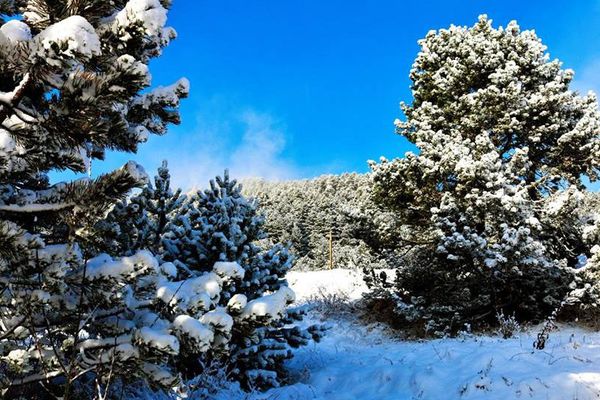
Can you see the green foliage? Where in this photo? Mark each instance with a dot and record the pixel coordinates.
(140, 221)
(489, 202)
(72, 86)
(220, 225)
(305, 213)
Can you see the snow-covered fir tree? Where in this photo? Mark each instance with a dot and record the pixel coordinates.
(504, 144)
(139, 221)
(218, 226)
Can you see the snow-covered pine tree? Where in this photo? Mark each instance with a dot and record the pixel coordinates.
(139, 222)
(500, 137)
(583, 301)
(219, 226)
(71, 81)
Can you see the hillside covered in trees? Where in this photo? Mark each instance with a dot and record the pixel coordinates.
(330, 221)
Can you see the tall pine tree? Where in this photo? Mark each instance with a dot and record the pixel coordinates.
(72, 80)
(503, 144)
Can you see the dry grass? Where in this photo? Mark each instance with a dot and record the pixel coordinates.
(332, 304)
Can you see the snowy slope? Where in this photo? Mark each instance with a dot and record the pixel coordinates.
(357, 362)
(315, 283)
(364, 363)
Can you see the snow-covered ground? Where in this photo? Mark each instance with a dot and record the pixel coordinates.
(334, 281)
(360, 362)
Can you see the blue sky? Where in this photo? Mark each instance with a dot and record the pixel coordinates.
(292, 89)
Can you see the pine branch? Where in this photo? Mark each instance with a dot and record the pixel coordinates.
(9, 101)
(10, 247)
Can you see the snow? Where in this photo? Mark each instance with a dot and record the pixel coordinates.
(123, 352)
(51, 251)
(358, 361)
(8, 97)
(323, 282)
(76, 32)
(16, 31)
(136, 171)
(158, 374)
(17, 357)
(169, 269)
(237, 302)
(183, 85)
(169, 94)
(158, 339)
(7, 143)
(195, 330)
(149, 13)
(219, 320)
(102, 267)
(355, 361)
(227, 269)
(198, 293)
(270, 306)
(128, 62)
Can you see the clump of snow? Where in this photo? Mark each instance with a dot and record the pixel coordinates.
(227, 269)
(562, 200)
(58, 258)
(128, 62)
(196, 332)
(122, 352)
(7, 143)
(219, 320)
(18, 357)
(192, 294)
(159, 374)
(102, 266)
(74, 36)
(149, 14)
(157, 339)
(270, 306)
(237, 302)
(169, 269)
(182, 85)
(8, 98)
(136, 171)
(142, 133)
(16, 31)
(165, 94)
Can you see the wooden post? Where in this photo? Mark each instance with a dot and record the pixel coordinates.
(330, 249)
